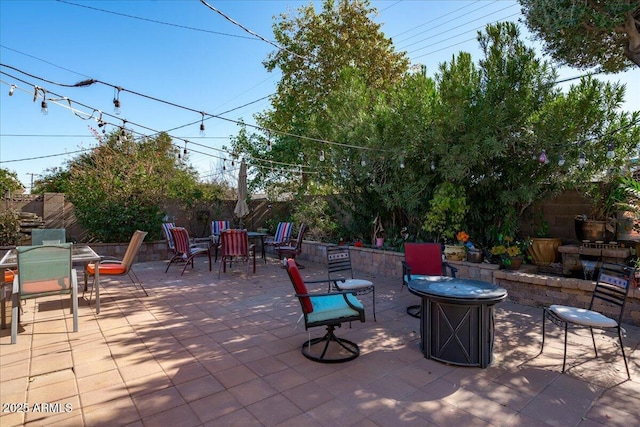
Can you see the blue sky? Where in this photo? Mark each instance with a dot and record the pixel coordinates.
(182, 53)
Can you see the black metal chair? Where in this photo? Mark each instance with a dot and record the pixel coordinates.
(340, 274)
(609, 296)
(326, 309)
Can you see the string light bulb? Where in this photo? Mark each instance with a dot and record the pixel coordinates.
(542, 158)
(224, 164)
(561, 160)
(44, 108)
(116, 102)
(11, 89)
(363, 161)
(401, 162)
(433, 165)
(269, 144)
(321, 156)
(610, 152)
(582, 159)
(185, 148)
(202, 132)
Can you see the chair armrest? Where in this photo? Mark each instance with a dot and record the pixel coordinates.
(333, 294)
(110, 261)
(451, 268)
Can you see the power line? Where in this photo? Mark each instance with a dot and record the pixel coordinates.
(156, 21)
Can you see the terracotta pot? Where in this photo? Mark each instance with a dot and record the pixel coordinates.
(543, 250)
(513, 263)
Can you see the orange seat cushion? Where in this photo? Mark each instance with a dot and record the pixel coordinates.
(109, 268)
(8, 276)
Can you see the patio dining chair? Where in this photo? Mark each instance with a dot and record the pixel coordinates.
(340, 275)
(216, 228)
(41, 236)
(603, 312)
(291, 250)
(325, 309)
(185, 251)
(282, 236)
(166, 232)
(234, 244)
(43, 270)
(110, 266)
(423, 260)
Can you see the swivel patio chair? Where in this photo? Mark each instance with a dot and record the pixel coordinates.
(43, 271)
(291, 250)
(330, 310)
(185, 251)
(110, 266)
(423, 260)
(609, 296)
(235, 244)
(340, 275)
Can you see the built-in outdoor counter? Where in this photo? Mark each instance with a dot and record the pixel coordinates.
(573, 255)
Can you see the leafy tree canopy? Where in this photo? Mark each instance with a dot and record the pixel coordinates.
(124, 184)
(587, 33)
(9, 181)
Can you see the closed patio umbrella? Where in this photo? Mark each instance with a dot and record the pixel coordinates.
(241, 209)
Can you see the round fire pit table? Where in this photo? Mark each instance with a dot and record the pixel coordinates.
(456, 319)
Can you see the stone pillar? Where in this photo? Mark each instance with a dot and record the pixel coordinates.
(53, 210)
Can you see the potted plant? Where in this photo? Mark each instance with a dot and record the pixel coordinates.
(600, 224)
(447, 211)
(509, 252)
(543, 249)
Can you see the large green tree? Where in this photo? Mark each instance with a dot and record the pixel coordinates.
(495, 120)
(318, 49)
(587, 33)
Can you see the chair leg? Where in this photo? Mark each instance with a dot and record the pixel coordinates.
(624, 357)
(373, 297)
(15, 318)
(564, 359)
(132, 276)
(593, 338)
(544, 320)
(74, 300)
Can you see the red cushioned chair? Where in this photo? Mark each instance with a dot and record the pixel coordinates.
(185, 251)
(109, 266)
(235, 244)
(421, 260)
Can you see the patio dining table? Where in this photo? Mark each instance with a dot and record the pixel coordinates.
(80, 254)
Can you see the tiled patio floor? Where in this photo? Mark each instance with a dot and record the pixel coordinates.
(199, 351)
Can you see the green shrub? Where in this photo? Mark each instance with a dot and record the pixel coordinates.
(10, 229)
